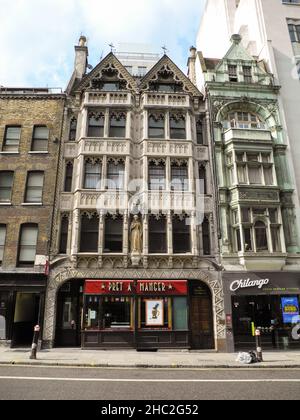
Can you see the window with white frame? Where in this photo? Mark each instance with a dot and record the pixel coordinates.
(256, 229)
(34, 187)
(40, 139)
(27, 244)
(252, 168)
(244, 120)
(11, 139)
(6, 184)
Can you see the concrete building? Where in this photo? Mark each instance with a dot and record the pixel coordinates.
(270, 31)
(30, 132)
(134, 253)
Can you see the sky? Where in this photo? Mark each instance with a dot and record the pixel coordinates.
(38, 36)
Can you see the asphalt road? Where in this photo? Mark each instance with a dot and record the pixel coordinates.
(48, 383)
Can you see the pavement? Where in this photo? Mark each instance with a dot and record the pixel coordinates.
(132, 359)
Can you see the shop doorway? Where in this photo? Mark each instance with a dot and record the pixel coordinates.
(201, 317)
(69, 314)
(26, 316)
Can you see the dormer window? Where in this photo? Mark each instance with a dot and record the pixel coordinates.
(167, 87)
(110, 86)
(247, 73)
(232, 72)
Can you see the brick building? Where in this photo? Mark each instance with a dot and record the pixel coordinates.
(30, 132)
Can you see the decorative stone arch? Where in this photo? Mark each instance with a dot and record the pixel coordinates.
(269, 113)
(212, 280)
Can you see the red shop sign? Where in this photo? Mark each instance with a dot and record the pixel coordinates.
(162, 287)
(109, 287)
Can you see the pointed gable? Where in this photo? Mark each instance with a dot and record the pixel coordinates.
(165, 71)
(109, 70)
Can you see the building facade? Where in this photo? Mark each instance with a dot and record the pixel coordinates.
(270, 31)
(134, 253)
(259, 239)
(30, 132)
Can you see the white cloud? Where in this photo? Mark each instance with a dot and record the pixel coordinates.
(37, 36)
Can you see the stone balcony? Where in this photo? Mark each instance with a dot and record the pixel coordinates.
(247, 135)
(108, 99)
(105, 147)
(255, 194)
(161, 100)
(160, 148)
(153, 201)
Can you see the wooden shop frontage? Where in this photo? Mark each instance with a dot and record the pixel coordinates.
(145, 315)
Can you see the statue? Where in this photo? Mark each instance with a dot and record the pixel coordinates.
(136, 235)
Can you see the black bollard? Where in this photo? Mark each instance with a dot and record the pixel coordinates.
(35, 342)
(258, 345)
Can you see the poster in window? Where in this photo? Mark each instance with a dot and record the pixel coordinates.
(155, 313)
(290, 310)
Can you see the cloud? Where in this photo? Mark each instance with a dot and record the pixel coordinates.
(37, 36)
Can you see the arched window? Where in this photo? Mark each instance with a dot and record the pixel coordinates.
(261, 236)
(244, 120)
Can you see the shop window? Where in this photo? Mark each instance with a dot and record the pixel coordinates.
(64, 227)
(117, 125)
(156, 126)
(157, 176)
(181, 235)
(2, 327)
(6, 184)
(73, 129)
(113, 237)
(108, 313)
(179, 176)
(157, 234)
(206, 236)
(12, 139)
(177, 127)
(261, 236)
(27, 244)
(40, 139)
(68, 177)
(92, 174)
(34, 187)
(115, 174)
(96, 125)
(155, 313)
(89, 233)
(180, 313)
(2, 241)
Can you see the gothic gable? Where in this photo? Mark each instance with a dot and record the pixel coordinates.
(109, 70)
(166, 72)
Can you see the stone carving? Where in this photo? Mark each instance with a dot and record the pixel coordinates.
(136, 240)
(61, 275)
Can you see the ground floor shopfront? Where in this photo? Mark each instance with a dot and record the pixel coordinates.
(141, 314)
(21, 307)
(269, 301)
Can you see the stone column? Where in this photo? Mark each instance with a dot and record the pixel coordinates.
(75, 232)
(126, 233)
(169, 233)
(101, 232)
(145, 234)
(84, 122)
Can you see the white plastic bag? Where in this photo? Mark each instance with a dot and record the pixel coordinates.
(244, 358)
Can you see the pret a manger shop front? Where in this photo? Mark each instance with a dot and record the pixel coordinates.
(138, 314)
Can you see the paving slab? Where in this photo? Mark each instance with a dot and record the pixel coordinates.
(134, 359)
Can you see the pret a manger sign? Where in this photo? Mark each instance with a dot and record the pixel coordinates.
(247, 283)
(140, 287)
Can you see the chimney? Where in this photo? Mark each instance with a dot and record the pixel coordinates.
(81, 55)
(192, 65)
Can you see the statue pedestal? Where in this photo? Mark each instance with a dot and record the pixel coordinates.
(135, 259)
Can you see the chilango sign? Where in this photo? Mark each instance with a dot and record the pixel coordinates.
(244, 283)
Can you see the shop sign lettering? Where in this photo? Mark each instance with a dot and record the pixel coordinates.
(247, 283)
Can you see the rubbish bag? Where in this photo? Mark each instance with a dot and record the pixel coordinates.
(247, 358)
